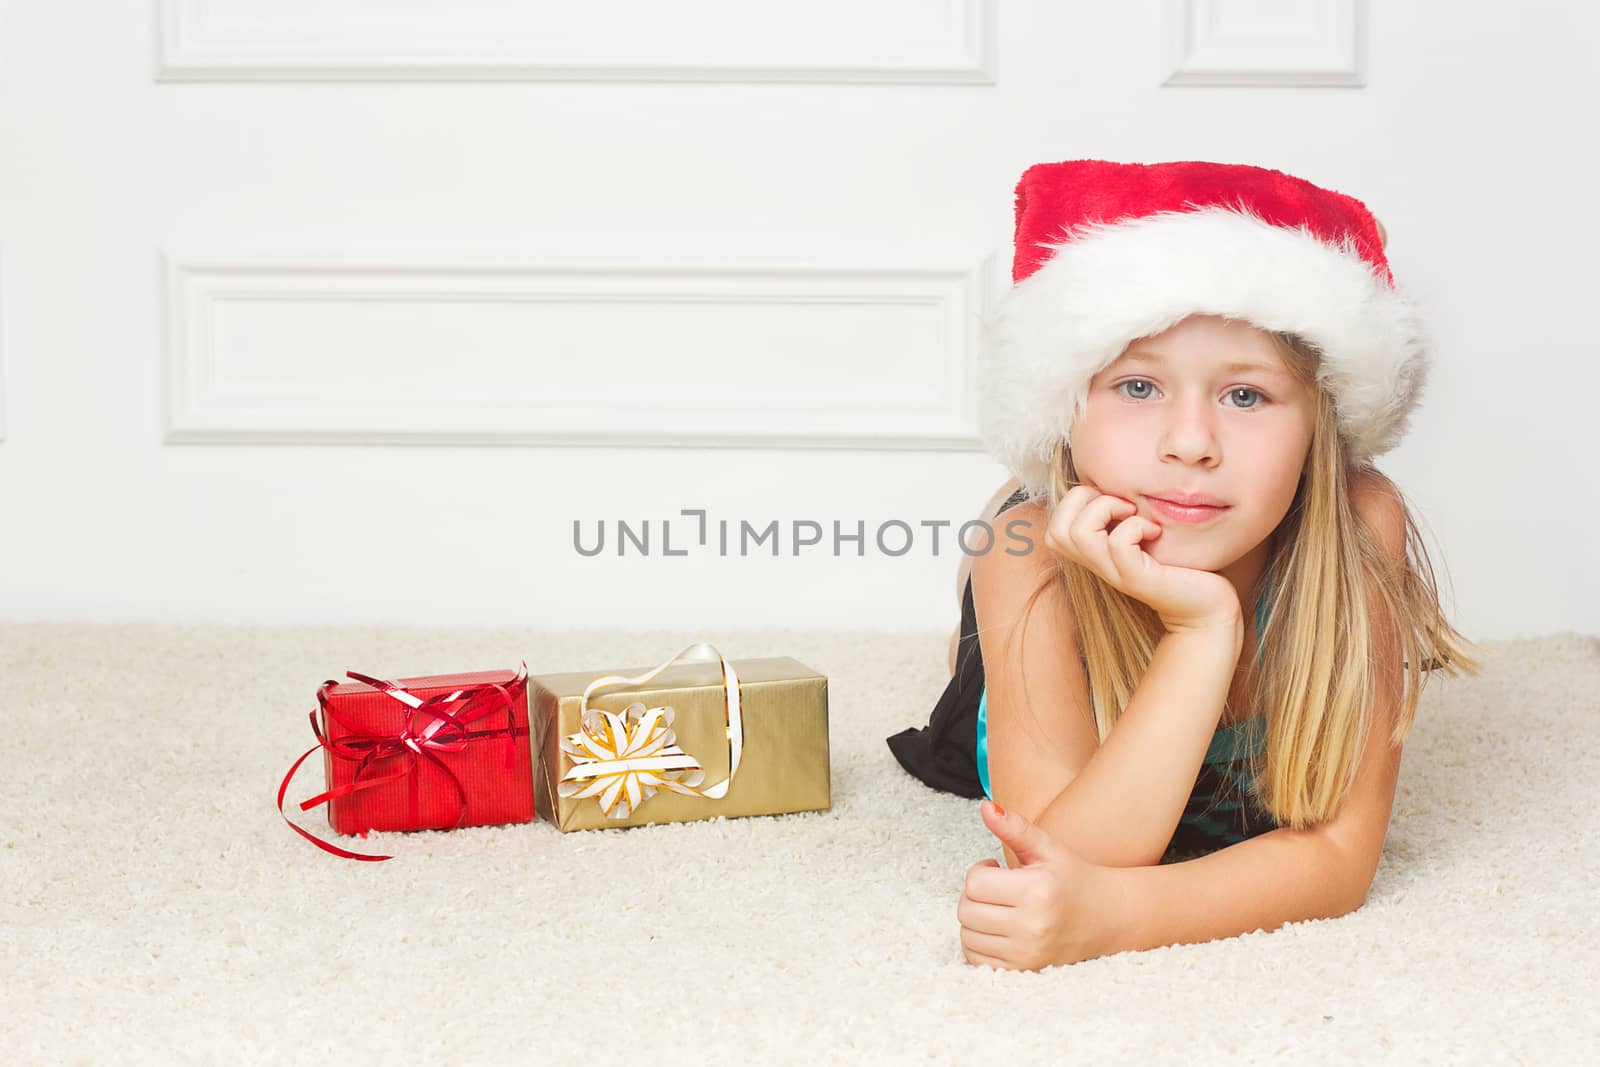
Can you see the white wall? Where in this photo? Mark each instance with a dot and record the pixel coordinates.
(348, 311)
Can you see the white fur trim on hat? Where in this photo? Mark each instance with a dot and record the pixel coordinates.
(1109, 285)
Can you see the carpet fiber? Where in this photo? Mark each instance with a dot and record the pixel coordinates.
(156, 907)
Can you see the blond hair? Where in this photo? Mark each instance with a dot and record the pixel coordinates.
(1318, 650)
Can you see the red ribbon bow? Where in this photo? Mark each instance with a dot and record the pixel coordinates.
(429, 729)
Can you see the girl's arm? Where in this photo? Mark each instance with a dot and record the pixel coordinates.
(1280, 876)
(1284, 875)
(1059, 908)
(1116, 804)
(1127, 800)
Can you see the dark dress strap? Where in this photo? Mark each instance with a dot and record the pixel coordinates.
(944, 754)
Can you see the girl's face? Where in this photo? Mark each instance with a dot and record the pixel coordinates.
(1204, 407)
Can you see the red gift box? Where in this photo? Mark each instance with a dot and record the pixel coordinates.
(430, 753)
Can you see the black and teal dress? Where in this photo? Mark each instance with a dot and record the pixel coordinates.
(951, 752)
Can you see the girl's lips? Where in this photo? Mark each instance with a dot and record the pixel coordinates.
(1180, 513)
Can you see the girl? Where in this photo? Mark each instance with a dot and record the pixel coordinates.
(1189, 380)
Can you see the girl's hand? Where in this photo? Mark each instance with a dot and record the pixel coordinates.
(1055, 908)
(1186, 598)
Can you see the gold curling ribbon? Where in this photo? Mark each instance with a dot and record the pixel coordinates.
(623, 759)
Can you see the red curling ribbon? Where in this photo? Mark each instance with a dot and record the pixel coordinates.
(428, 729)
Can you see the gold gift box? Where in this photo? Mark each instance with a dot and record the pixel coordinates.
(783, 766)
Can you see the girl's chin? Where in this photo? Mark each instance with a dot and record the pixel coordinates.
(1182, 555)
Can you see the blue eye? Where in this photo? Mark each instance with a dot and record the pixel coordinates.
(1252, 392)
(1147, 388)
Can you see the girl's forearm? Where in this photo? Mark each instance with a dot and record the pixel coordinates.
(1122, 807)
(1281, 876)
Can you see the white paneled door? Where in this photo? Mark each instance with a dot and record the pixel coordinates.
(383, 310)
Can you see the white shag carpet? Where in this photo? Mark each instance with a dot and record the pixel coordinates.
(157, 909)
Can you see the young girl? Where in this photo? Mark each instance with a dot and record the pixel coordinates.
(1190, 379)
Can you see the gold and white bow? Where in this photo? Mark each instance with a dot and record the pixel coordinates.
(623, 759)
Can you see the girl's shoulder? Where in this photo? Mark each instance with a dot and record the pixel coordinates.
(1378, 503)
(1018, 569)
(1017, 551)
(1372, 485)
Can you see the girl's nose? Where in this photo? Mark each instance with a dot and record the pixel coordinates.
(1189, 436)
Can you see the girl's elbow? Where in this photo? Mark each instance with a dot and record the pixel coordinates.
(1356, 886)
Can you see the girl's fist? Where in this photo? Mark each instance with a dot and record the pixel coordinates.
(1186, 598)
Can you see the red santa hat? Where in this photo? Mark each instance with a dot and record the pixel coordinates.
(1107, 253)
